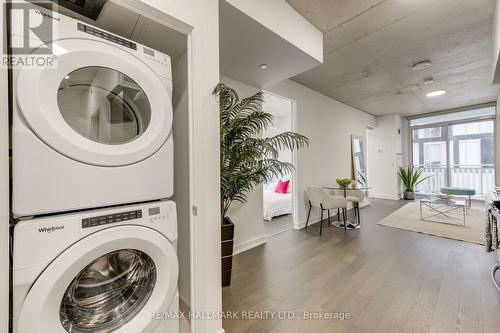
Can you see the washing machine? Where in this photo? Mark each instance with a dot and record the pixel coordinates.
(103, 270)
(95, 128)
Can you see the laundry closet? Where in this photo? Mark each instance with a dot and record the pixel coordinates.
(100, 183)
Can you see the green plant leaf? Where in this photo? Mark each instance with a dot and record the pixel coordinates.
(246, 160)
(411, 177)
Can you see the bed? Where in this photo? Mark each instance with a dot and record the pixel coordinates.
(276, 204)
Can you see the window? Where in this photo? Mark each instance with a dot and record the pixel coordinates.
(458, 152)
(435, 153)
(469, 152)
(432, 132)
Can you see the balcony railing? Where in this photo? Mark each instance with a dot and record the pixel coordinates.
(479, 177)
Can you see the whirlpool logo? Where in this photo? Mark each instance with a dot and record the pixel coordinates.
(48, 230)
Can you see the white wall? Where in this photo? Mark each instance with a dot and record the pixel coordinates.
(279, 17)
(280, 125)
(329, 125)
(4, 185)
(180, 128)
(385, 155)
(405, 138)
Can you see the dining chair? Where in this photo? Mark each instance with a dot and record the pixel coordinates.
(356, 197)
(320, 198)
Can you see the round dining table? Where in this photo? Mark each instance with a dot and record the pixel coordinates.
(337, 224)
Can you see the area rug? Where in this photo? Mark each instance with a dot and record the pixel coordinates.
(408, 218)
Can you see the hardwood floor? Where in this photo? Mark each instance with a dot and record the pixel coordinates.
(386, 279)
(278, 224)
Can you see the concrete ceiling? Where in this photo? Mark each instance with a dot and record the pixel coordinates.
(370, 45)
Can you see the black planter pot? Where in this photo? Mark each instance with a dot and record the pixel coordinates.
(409, 195)
(227, 236)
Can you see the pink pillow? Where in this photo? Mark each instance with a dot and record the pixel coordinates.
(282, 186)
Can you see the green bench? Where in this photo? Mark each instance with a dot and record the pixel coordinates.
(459, 191)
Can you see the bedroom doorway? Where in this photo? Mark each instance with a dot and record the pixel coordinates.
(278, 193)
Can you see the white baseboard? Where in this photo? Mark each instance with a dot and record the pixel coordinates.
(245, 246)
(385, 197)
(312, 220)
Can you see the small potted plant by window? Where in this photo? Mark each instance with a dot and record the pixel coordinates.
(411, 177)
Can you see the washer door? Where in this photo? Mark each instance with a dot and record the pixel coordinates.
(99, 105)
(112, 280)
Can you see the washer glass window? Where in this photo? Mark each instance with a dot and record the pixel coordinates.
(108, 293)
(104, 105)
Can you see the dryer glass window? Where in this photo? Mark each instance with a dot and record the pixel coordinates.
(108, 293)
(104, 105)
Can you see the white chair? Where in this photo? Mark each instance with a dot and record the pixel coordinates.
(356, 196)
(320, 198)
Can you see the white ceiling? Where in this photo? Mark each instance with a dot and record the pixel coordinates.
(245, 44)
(370, 45)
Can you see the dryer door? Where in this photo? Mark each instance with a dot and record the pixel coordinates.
(114, 279)
(98, 105)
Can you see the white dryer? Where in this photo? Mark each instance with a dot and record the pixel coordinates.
(103, 270)
(93, 130)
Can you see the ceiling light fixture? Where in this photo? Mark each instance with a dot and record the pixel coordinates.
(408, 89)
(436, 93)
(421, 65)
(263, 66)
(429, 80)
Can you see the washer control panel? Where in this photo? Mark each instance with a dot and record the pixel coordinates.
(111, 218)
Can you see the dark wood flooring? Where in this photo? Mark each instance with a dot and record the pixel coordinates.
(386, 279)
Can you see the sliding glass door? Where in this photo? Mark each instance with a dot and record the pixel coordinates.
(454, 152)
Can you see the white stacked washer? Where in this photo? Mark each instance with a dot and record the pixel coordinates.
(93, 130)
(100, 271)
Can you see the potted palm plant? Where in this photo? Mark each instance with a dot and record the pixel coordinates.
(411, 177)
(246, 159)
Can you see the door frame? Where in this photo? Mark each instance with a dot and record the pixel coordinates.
(295, 192)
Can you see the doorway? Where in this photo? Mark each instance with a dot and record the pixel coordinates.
(278, 192)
